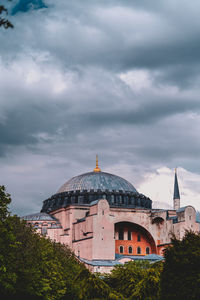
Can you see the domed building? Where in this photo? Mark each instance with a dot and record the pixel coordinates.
(106, 221)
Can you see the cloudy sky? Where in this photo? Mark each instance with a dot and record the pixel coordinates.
(117, 78)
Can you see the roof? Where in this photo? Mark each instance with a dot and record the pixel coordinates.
(97, 181)
(150, 257)
(94, 202)
(39, 217)
(110, 263)
(182, 209)
(176, 188)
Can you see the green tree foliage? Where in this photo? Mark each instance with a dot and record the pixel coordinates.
(136, 280)
(7, 243)
(93, 287)
(181, 274)
(34, 267)
(149, 287)
(4, 22)
(43, 268)
(5, 200)
(31, 265)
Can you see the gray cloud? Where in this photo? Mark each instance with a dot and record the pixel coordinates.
(63, 99)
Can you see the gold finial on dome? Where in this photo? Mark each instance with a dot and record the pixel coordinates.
(97, 169)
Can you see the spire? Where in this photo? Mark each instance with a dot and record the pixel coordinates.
(97, 169)
(176, 192)
(176, 188)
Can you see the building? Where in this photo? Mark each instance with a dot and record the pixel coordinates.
(106, 222)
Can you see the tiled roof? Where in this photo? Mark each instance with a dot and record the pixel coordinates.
(94, 202)
(182, 209)
(150, 257)
(110, 263)
(97, 181)
(39, 217)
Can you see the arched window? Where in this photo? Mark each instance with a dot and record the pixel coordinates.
(147, 250)
(53, 225)
(139, 238)
(138, 250)
(121, 249)
(44, 224)
(130, 250)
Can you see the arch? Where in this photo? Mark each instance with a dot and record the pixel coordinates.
(158, 220)
(44, 224)
(140, 237)
(121, 249)
(138, 250)
(130, 249)
(147, 250)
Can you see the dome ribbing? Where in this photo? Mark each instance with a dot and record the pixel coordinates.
(88, 187)
(97, 181)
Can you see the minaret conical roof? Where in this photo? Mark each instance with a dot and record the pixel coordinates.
(176, 188)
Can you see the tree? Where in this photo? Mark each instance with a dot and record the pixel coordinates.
(4, 21)
(138, 280)
(5, 200)
(181, 274)
(7, 243)
(93, 287)
(149, 287)
(32, 266)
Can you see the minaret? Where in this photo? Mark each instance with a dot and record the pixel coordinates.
(97, 169)
(176, 193)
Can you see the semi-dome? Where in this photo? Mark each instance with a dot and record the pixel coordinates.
(88, 187)
(97, 181)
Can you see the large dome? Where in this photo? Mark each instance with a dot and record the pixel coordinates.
(97, 181)
(86, 188)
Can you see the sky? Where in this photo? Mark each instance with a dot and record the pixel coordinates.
(117, 78)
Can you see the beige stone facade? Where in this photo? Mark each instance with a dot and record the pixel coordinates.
(102, 234)
(93, 232)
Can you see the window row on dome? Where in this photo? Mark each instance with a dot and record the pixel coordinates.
(44, 224)
(114, 199)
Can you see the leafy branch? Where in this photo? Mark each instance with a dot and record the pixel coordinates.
(4, 21)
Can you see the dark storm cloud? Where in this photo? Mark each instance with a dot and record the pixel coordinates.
(32, 121)
(145, 115)
(119, 35)
(26, 121)
(118, 78)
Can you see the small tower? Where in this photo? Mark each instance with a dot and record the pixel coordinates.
(176, 193)
(97, 169)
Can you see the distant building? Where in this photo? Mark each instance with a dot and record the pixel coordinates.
(106, 222)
